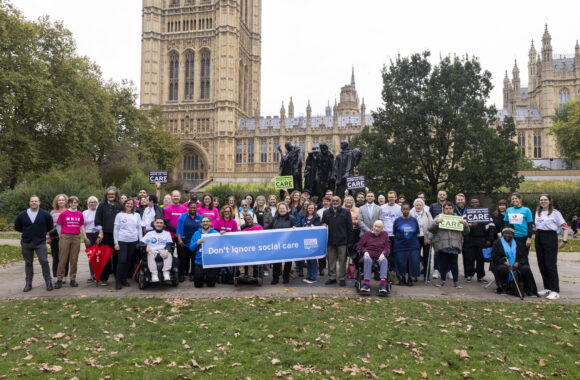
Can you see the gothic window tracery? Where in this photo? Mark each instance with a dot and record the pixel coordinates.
(173, 76)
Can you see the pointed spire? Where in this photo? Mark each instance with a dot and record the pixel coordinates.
(532, 50)
(352, 77)
(506, 79)
(516, 68)
(291, 108)
(546, 35)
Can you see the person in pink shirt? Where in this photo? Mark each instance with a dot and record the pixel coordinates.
(226, 222)
(172, 212)
(207, 208)
(70, 225)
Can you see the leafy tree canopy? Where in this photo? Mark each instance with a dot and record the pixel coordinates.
(566, 128)
(435, 130)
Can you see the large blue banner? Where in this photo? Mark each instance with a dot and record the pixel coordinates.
(263, 247)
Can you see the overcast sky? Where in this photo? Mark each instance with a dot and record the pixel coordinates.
(309, 46)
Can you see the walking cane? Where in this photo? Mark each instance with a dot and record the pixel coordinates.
(428, 267)
(516, 282)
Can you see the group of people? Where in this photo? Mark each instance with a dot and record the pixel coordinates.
(392, 234)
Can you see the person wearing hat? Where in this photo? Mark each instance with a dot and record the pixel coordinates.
(306, 194)
(509, 254)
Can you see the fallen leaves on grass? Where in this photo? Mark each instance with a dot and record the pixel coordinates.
(44, 367)
(462, 354)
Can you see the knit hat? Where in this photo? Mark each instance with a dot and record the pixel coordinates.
(507, 229)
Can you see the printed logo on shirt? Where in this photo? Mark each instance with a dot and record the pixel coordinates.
(154, 241)
(310, 243)
(408, 231)
(124, 220)
(516, 218)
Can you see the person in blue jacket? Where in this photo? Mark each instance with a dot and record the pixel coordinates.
(199, 274)
(187, 224)
(34, 223)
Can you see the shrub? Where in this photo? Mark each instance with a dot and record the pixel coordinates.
(223, 191)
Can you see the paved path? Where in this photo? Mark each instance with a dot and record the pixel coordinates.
(12, 278)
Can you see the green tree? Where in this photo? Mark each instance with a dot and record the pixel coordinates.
(55, 108)
(566, 128)
(435, 130)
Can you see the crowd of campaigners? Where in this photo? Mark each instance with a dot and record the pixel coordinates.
(388, 232)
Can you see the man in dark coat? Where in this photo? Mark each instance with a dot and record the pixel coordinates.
(339, 223)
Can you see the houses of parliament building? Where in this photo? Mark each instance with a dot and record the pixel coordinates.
(201, 63)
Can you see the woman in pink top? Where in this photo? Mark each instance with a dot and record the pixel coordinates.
(70, 225)
(226, 222)
(207, 208)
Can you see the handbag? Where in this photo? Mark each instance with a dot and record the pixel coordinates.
(351, 271)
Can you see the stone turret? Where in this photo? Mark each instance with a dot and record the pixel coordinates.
(547, 49)
(532, 67)
(516, 79)
(506, 90)
(290, 108)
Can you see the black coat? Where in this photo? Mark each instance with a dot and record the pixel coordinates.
(105, 216)
(33, 232)
(498, 224)
(498, 254)
(339, 224)
(279, 221)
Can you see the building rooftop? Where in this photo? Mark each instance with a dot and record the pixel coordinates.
(522, 113)
(563, 64)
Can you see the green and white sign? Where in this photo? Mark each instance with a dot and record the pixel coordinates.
(451, 222)
(284, 182)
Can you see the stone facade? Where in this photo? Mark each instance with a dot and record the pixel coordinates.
(553, 80)
(201, 63)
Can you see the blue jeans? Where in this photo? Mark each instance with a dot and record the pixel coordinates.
(408, 259)
(312, 269)
(368, 268)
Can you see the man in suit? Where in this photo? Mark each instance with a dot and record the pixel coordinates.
(368, 214)
(34, 223)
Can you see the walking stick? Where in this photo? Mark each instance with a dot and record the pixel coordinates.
(516, 282)
(428, 267)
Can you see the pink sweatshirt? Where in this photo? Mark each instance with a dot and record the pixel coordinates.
(71, 222)
(228, 225)
(212, 214)
(255, 227)
(172, 213)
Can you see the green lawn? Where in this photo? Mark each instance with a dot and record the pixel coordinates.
(10, 254)
(10, 235)
(573, 245)
(298, 338)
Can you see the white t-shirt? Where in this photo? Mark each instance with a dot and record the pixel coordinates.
(157, 240)
(127, 227)
(32, 214)
(321, 211)
(552, 222)
(89, 216)
(390, 213)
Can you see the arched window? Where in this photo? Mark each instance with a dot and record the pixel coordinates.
(173, 76)
(189, 75)
(192, 170)
(205, 75)
(563, 96)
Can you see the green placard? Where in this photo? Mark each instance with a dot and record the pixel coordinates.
(451, 222)
(284, 182)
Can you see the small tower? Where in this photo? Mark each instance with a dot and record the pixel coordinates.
(547, 49)
(290, 108)
(363, 110)
(335, 109)
(282, 112)
(532, 67)
(328, 110)
(577, 57)
(308, 110)
(506, 91)
(516, 79)
(352, 77)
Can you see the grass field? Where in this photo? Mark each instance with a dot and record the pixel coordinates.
(9, 254)
(287, 338)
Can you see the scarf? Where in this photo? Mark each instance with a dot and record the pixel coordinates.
(510, 252)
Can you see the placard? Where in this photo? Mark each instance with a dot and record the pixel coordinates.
(353, 183)
(160, 176)
(284, 182)
(451, 222)
(477, 215)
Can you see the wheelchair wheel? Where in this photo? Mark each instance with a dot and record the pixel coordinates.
(141, 280)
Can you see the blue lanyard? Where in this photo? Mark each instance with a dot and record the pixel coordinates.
(459, 212)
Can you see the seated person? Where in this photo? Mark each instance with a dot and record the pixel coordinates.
(508, 254)
(249, 225)
(200, 274)
(158, 242)
(375, 245)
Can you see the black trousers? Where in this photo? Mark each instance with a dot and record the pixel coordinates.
(112, 263)
(200, 275)
(522, 241)
(547, 253)
(473, 258)
(524, 272)
(277, 268)
(125, 258)
(448, 262)
(185, 258)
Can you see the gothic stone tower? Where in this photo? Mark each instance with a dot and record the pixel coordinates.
(200, 62)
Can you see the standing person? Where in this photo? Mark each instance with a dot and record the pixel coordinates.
(263, 213)
(473, 245)
(406, 230)
(448, 243)
(70, 226)
(436, 209)
(34, 223)
(216, 203)
(548, 222)
(171, 214)
(350, 206)
(59, 204)
(107, 210)
(193, 198)
(249, 225)
(375, 245)
(295, 203)
(423, 196)
(360, 199)
(521, 220)
(300, 264)
(575, 224)
(325, 206)
(207, 208)
(141, 205)
(368, 214)
(381, 200)
(166, 200)
(339, 223)
(187, 224)
(311, 219)
(201, 275)
(126, 235)
(92, 232)
(245, 206)
(391, 211)
(226, 222)
(151, 212)
(272, 206)
(283, 219)
(231, 201)
(425, 220)
(497, 221)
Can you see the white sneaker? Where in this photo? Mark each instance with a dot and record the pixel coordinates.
(553, 296)
(436, 274)
(154, 277)
(166, 276)
(449, 275)
(544, 292)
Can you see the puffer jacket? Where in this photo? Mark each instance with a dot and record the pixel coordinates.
(447, 238)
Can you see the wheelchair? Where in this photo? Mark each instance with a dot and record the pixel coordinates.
(357, 258)
(143, 274)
